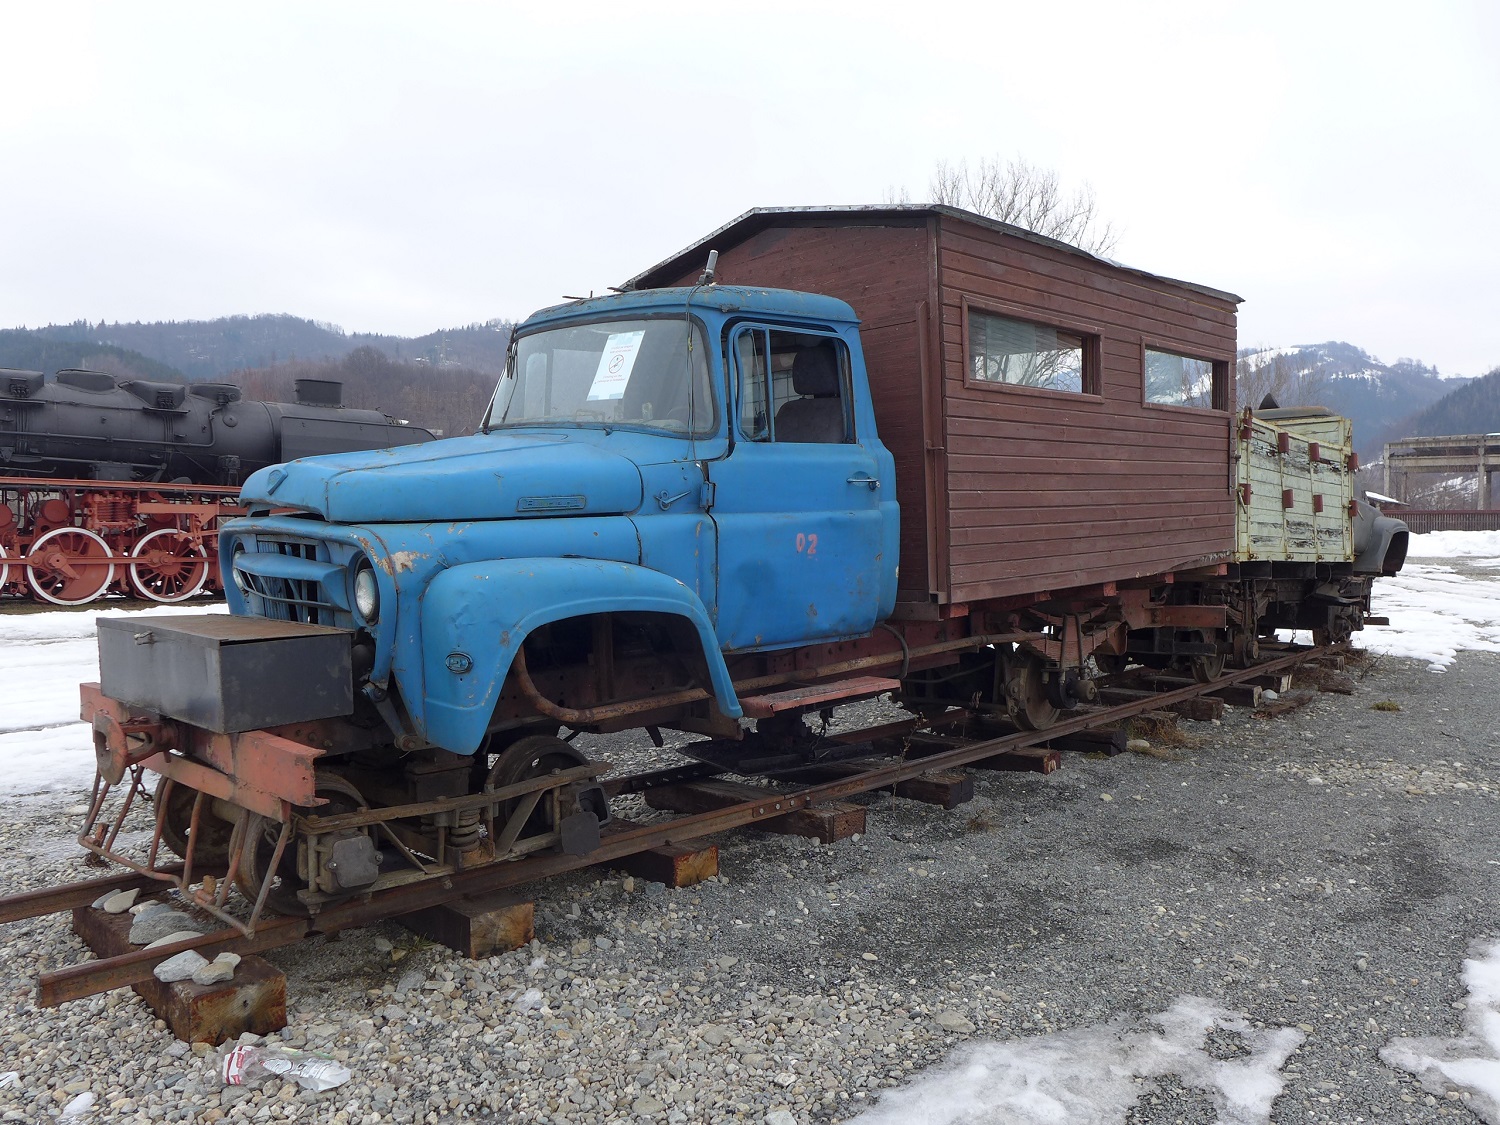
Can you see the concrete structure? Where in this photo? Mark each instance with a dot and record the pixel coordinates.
(1452, 453)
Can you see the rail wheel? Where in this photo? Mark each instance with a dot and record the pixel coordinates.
(1034, 709)
(1205, 668)
(1339, 630)
(71, 566)
(260, 848)
(211, 843)
(1246, 647)
(536, 755)
(4, 566)
(170, 566)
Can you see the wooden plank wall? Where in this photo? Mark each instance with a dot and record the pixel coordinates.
(1049, 490)
(882, 271)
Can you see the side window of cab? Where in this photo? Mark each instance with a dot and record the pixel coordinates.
(792, 386)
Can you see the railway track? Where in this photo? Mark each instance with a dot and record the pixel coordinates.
(91, 977)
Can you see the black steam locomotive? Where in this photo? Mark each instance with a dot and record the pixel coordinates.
(89, 425)
(117, 485)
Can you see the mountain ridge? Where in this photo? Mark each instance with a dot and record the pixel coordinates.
(1381, 399)
(1385, 401)
(213, 349)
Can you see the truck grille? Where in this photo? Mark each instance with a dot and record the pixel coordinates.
(286, 582)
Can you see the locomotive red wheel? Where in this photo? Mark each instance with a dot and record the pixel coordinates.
(4, 566)
(70, 566)
(172, 566)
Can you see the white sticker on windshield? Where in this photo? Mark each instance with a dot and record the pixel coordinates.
(615, 364)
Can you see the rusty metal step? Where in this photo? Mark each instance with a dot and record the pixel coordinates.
(803, 698)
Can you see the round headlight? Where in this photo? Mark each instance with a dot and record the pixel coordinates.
(234, 571)
(367, 595)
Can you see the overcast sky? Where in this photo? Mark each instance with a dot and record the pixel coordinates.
(403, 168)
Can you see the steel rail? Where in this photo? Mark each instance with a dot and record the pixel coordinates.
(49, 900)
(91, 977)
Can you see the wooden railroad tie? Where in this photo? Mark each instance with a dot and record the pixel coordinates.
(1028, 759)
(1279, 682)
(1202, 708)
(1103, 740)
(254, 999)
(476, 927)
(945, 788)
(836, 820)
(1239, 695)
(676, 865)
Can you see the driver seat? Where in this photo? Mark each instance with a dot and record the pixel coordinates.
(818, 416)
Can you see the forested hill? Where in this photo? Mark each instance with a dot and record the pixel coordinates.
(1380, 398)
(32, 351)
(213, 349)
(442, 396)
(1471, 409)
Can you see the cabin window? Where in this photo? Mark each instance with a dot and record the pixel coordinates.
(1181, 380)
(1026, 354)
(791, 386)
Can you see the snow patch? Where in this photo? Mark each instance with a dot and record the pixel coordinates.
(1095, 1075)
(1469, 1063)
(43, 658)
(1435, 611)
(1455, 545)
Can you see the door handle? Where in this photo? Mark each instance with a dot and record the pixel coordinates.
(873, 482)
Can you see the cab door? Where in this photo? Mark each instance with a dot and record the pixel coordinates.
(796, 503)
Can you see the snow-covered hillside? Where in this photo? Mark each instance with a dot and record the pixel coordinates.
(1378, 397)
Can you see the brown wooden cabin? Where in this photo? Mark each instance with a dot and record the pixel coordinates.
(1020, 473)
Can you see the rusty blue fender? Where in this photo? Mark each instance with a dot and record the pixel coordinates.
(475, 616)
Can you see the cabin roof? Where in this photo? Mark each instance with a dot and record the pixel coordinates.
(783, 302)
(757, 219)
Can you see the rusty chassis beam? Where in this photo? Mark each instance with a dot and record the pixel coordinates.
(90, 977)
(317, 824)
(578, 717)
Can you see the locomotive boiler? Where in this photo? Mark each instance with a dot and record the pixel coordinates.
(118, 484)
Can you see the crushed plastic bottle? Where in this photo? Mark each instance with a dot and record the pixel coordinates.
(529, 1001)
(245, 1065)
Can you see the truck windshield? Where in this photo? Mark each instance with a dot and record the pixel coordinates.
(618, 373)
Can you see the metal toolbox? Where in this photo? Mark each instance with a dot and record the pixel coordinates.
(227, 674)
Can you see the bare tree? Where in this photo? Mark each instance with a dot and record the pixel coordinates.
(1288, 378)
(1024, 195)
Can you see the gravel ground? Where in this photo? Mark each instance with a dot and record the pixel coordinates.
(1326, 869)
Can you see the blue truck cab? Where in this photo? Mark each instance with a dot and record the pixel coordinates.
(704, 460)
